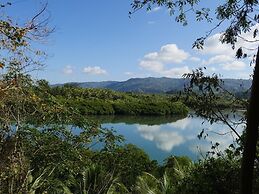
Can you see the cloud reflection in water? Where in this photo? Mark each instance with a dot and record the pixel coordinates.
(162, 139)
(184, 131)
(165, 140)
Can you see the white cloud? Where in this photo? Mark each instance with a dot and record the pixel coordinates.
(226, 62)
(234, 66)
(195, 59)
(164, 62)
(155, 66)
(169, 54)
(176, 72)
(68, 70)
(243, 75)
(96, 70)
(213, 45)
(252, 42)
(165, 140)
(219, 59)
(212, 69)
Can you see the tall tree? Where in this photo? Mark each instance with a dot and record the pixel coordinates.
(240, 17)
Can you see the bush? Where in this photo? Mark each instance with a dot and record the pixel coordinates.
(214, 176)
(128, 162)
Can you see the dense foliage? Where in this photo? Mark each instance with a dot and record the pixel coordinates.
(108, 102)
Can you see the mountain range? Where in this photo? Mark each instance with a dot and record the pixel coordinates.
(157, 85)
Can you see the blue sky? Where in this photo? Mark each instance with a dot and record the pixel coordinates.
(97, 41)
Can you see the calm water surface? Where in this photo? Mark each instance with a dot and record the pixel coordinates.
(161, 137)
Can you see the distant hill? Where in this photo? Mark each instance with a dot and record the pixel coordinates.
(158, 85)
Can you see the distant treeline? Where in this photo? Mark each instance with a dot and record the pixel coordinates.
(107, 102)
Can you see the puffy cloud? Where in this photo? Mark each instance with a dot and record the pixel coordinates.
(226, 62)
(247, 40)
(221, 56)
(165, 140)
(168, 54)
(213, 45)
(68, 70)
(224, 55)
(96, 70)
(235, 65)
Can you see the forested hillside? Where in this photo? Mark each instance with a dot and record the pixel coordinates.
(159, 85)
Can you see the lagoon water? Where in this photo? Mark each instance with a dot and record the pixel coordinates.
(161, 137)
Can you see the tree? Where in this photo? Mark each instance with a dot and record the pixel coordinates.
(240, 17)
(19, 58)
(32, 120)
(127, 162)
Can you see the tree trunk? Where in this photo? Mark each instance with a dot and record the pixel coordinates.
(251, 135)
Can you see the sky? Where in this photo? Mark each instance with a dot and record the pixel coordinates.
(97, 41)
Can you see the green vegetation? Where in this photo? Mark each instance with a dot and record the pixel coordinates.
(90, 101)
(108, 102)
(70, 167)
(40, 153)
